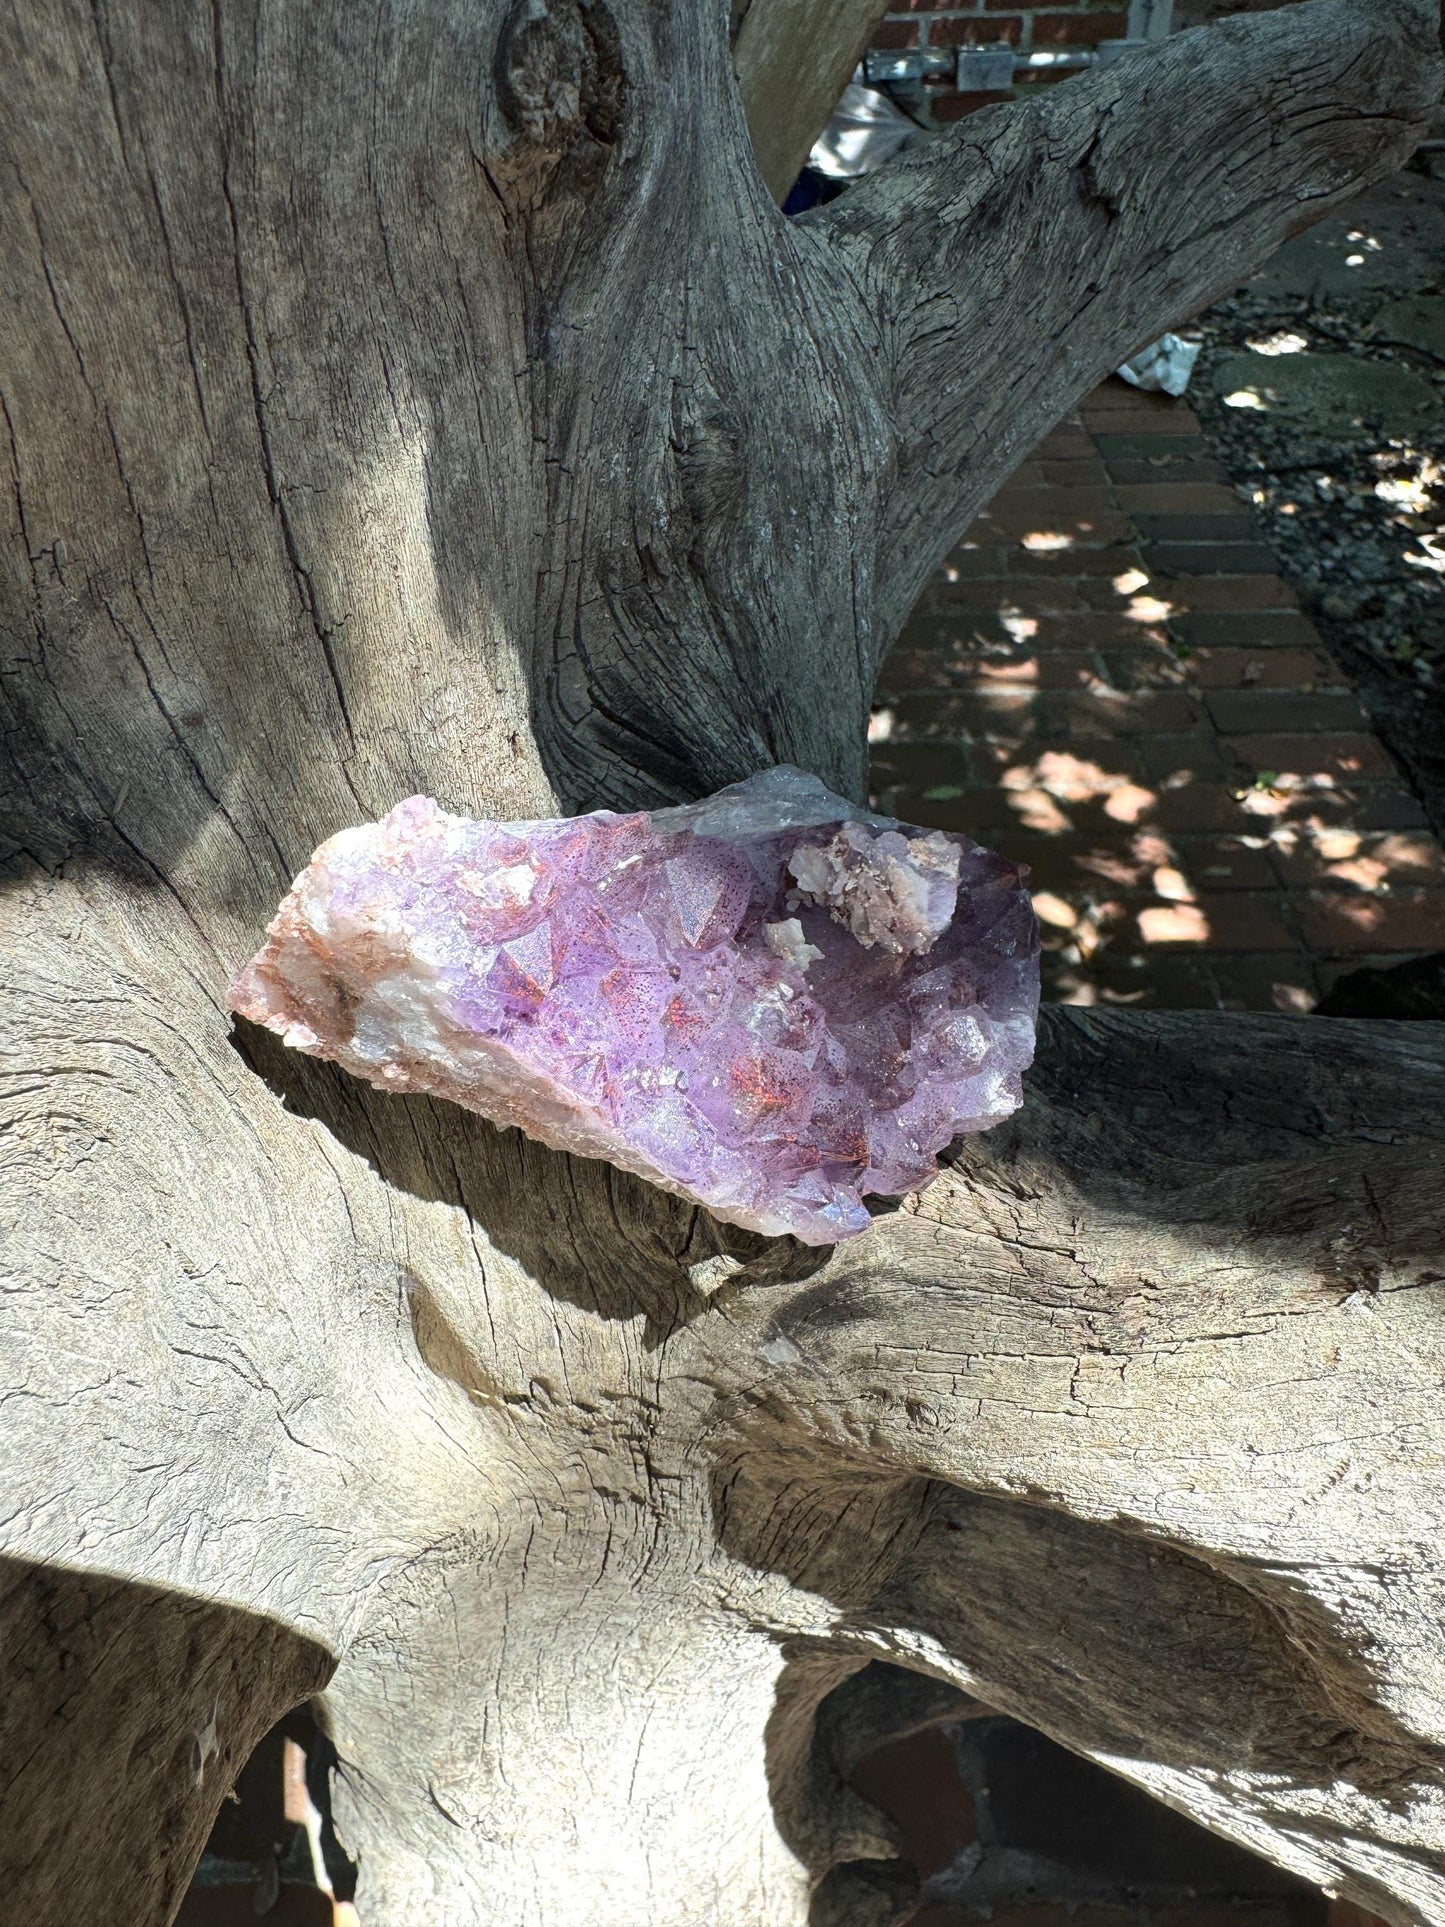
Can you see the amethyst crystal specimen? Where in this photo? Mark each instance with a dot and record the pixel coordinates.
(770, 1001)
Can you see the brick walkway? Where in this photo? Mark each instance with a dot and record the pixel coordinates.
(1110, 681)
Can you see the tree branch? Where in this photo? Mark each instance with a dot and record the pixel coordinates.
(108, 1787)
(1016, 260)
(397, 398)
(1169, 1343)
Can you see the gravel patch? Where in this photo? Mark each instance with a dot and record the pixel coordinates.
(1321, 388)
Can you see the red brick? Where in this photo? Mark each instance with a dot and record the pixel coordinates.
(1344, 1913)
(1033, 1914)
(1265, 629)
(908, 668)
(1108, 712)
(1164, 759)
(1030, 474)
(1044, 503)
(233, 1905)
(1078, 30)
(1093, 629)
(1102, 594)
(1049, 669)
(1117, 409)
(892, 35)
(976, 554)
(916, 1782)
(1086, 527)
(1116, 757)
(1215, 863)
(1073, 472)
(1371, 806)
(946, 108)
(1225, 594)
(1029, 595)
(1331, 970)
(985, 32)
(1031, 84)
(1168, 465)
(1241, 920)
(1290, 710)
(912, 768)
(1409, 858)
(1210, 805)
(910, 671)
(1403, 921)
(1205, 804)
(1076, 864)
(1157, 979)
(1105, 422)
(1307, 669)
(976, 809)
(1340, 756)
(1106, 562)
(1274, 981)
(966, 715)
(1180, 498)
(1056, 500)
(1145, 665)
(1068, 443)
(988, 597)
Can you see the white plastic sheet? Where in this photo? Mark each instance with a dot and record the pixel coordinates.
(1164, 367)
(866, 130)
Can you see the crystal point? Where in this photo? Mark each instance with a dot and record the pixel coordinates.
(770, 1001)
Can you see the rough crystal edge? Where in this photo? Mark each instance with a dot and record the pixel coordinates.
(580, 1131)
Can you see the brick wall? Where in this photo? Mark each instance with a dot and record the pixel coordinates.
(1053, 26)
(948, 24)
(1197, 13)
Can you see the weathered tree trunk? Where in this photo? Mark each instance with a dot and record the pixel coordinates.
(408, 396)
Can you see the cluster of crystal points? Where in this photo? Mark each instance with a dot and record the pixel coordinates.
(771, 1001)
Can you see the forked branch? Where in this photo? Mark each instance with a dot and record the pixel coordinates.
(1013, 262)
(1167, 1346)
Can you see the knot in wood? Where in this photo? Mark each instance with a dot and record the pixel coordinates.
(560, 72)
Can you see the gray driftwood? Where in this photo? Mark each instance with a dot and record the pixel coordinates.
(399, 395)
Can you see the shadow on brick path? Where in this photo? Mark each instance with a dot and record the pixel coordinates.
(1110, 680)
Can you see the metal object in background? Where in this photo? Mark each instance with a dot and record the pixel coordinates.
(989, 70)
(884, 70)
(1150, 19)
(984, 70)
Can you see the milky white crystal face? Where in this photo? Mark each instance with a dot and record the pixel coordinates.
(769, 1001)
(887, 889)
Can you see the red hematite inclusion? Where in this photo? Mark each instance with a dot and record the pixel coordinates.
(771, 1001)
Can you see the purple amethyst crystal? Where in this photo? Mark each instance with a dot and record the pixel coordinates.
(771, 1001)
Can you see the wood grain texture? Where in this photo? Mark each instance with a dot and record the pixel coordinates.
(408, 396)
(99, 1798)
